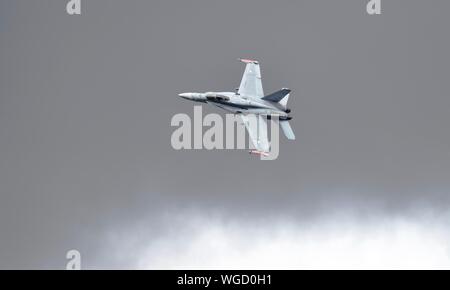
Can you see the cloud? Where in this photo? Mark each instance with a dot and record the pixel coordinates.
(190, 240)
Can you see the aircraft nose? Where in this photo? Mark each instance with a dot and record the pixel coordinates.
(185, 95)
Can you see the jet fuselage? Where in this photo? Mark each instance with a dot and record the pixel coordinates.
(237, 103)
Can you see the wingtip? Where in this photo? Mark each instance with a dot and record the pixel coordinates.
(260, 153)
(244, 60)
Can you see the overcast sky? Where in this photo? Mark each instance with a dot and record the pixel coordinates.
(86, 161)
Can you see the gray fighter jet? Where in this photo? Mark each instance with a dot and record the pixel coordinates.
(248, 100)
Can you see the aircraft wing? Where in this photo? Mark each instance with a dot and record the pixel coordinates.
(257, 130)
(251, 84)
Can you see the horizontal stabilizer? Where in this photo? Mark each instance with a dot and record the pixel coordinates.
(287, 130)
(277, 96)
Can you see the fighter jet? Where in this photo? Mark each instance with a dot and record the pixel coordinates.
(249, 99)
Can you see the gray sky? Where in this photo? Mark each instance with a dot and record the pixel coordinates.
(86, 103)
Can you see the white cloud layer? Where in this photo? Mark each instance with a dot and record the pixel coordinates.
(333, 242)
